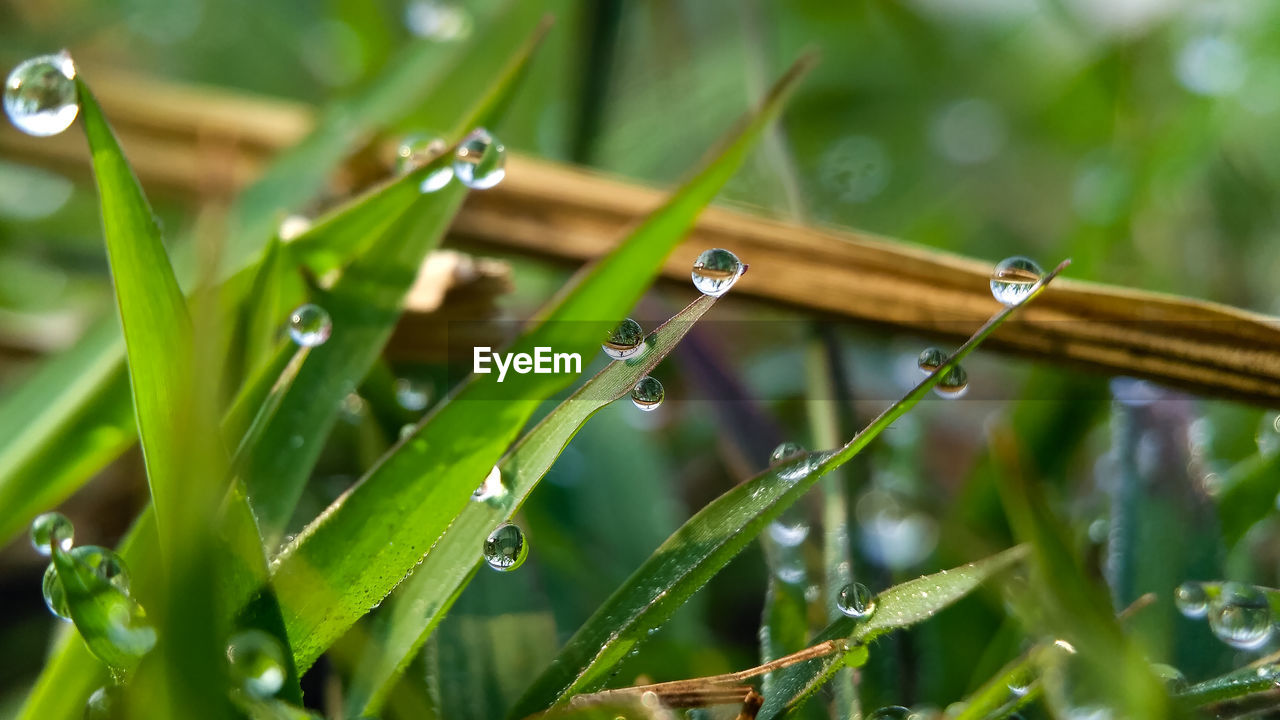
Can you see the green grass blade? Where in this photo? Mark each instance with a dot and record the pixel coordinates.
(419, 605)
(705, 544)
(1233, 685)
(367, 542)
(898, 607)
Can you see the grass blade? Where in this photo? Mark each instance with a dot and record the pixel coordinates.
(705, 544)
(420, 604)
(372, 537)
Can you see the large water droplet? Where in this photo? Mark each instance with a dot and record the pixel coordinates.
(1241, 616)
(106, 563)
(106, 703)
(1191, 599)
(954, 383)
(892, 712)
(856, 601)
(49, 528)
(1014, 278)
(480, 160)
(931, 358)
(413, 395)
(40, 95)
(784, 452)
(492, 487)
(647, 394)
(309, 325)
(505, 549)
(55, 597)
(626, 340)
(716, 270)
(257, 663)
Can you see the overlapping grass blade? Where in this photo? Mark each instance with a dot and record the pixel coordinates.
(704, 545)
(367, 542)
(419, 605)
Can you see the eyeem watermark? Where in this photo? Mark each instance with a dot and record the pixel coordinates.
(542, 362)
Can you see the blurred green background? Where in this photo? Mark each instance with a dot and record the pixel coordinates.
(1135, 136)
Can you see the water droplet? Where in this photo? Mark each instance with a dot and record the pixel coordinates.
(257, 664)
(49, 528)
(626, 340)
(492, 487)
(788, 534)
(55, 597)
(891, 712)
(856, 601)
(309, 325)
(954, 383)
(292, 226)
(436, 20)
(1241, 616)
(419, 150)
(716, 270)
(106, 563)
(647, 394)
(1013, 280)
(406, 430)
(413, 395)
(1020, 683)
(40, 95)
(505, 549)
(480, 160)
(1191, 599)
(1171, 676)
(931, 358)
(105, 703)
(784, 452)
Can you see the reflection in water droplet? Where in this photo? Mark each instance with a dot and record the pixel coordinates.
(106, 563)
(856, 601)
(416, 151)
(480, 160)
(1013, 280)
(626, 340)
(931, 358)
(413, 395)
(505, 549)
(257, 664)
(492, 487)
(1241, 616)
(49, 528)
(309, 325)
(40, 95)
(1191, 599)
(647, 394)
(954, 383)
(55, 597)
(715, 271)
(784, 452)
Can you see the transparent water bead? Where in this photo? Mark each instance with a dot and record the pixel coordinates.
(1013, 279)
(49, 528)
(106, 563)
(257, 663)
(1191, 599)
(716, 270)
(856, 601)
(105, 703)
(55, 597)
(1020, 683)
(412, 395)
(1241, 616)
(1171, 676)
(40, 95)
(492, 487)
(506, 549)
(309, 325)
(892, 712)
(647, 394)
(625, 341)
(418, 150)
(930, 359)
(953, 384)
(480, 160)
(784, 452)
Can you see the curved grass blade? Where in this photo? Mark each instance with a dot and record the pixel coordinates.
(366, 543)
(419, 604)
(898, 607)
(705, 544)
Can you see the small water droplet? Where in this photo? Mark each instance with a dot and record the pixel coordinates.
(784, 452)
(106, 563)
(413, 395)
(437, 20)
(256, 663)
(891, 712)
(856, 601)
(1241, 616)
(55, 597)
(626, 340)
(931, 358)
(49, 528)
(419, 150)
(716, 270)
(292, 226)
(954, 383)
(40, 95)
(492, 487)
(309, 325)
(106, 703)
(1191, 599)
(788, 534)
(480, 160)
(506, 549)
(650, 700)
(647, 394)
(1171, 676)
(406, 430)
(1020, 683)
(1014, 278)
